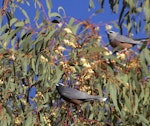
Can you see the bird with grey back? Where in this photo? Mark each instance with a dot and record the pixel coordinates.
(75, 96)
(117, 40)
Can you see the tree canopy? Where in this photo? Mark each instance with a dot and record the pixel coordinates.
(33, 58)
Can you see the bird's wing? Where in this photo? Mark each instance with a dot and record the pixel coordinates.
(125, 39)
(76, 94)
(141, 39)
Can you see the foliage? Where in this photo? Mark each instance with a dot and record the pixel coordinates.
(34, 58)
(133, 14)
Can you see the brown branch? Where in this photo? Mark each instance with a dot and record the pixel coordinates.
(5, 5)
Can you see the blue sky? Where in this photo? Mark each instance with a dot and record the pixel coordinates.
(79, 10)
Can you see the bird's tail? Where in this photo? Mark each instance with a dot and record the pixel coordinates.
(99, 99)
(142, 39)
(102, 99)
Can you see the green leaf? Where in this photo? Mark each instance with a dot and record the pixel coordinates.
(136, 104)
(19, 24)
(63, 10)
(25, 14)
(33, 64)
(111, 71)
(143, 63)
(37, 65)
(130, 3)
(49, 35)
(12, 21)
(54, 14)
(13, 32)
(91, 4)
(91, 116)
(0, 19)
(37, 15)
(142, 93)
(139, 9)
(95, 49)
(49, 4)
(28, 121)
(57, 75)
(2, 29)
(143, 119)
(146, 52)
(113, 95)
(100, 115)
(146, 96)
(123, 78)
(128, 103)
(99, 11)
(72, 20)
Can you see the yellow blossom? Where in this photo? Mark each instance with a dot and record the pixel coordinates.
(64, 65)
(86, 64)
(5, 45)
(58, 52)
(87, 76)
(83, 60)
(61, 62)
(97, 28)
(89, 92)
(1, 81)
(77, 83)
(90, 71)
(19, 0)
(60, 25)
(107, 52)
(43, 59)
(66, 41)
(18, 120)
(99, 38)
(108, 27)
(72, 69)
(61, 48)
(69, 43)
(121, 56)
(23, 101)
(13, 57)
(72, 44)
(68, 30)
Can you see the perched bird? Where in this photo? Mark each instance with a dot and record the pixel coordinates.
(122, 42)
(75, 96)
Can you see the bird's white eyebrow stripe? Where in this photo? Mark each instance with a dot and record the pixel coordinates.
(59, 84)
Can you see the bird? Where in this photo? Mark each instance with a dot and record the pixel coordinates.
(122, 42)
(75, 96)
